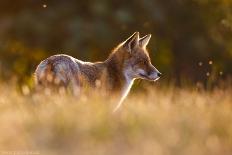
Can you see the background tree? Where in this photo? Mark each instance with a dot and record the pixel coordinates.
(191, 39)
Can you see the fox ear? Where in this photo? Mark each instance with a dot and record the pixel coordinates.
(132, 42)
(144, 40)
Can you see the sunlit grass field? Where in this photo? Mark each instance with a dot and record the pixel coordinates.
(153, 121)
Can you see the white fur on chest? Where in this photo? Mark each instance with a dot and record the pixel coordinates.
(125, 90)
(127, 87)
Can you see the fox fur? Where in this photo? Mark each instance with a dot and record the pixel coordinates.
(127, 62)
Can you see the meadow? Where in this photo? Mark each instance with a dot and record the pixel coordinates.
(156, 120)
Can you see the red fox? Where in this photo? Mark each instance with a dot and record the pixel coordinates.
(128, 61)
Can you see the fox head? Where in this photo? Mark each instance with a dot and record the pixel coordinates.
(137, 63)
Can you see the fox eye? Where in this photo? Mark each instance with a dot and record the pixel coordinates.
(143, 62)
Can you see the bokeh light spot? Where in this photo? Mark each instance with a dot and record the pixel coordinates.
(200, 63)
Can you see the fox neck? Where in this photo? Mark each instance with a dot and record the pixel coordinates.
(120, 81)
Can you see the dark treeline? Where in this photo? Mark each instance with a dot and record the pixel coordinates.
(192, 39)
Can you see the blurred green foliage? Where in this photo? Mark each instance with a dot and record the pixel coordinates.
(187, 34)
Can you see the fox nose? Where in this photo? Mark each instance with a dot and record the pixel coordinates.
(159, 74)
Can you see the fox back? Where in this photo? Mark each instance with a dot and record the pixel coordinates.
(127, 62)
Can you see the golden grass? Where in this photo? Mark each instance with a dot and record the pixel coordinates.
(157, 121)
